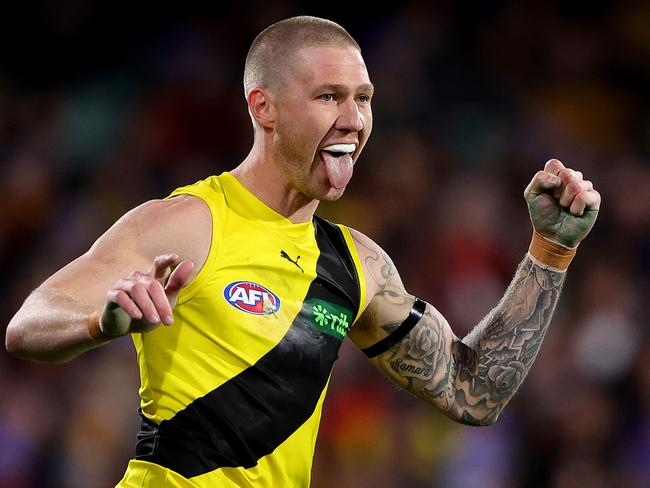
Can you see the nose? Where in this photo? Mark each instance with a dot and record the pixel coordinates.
(350, 118)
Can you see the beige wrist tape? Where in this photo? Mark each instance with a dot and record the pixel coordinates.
(94, 329)
(550, 253)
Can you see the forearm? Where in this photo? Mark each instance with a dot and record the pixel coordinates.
(50, 327)
(471, 380)
(494, 358)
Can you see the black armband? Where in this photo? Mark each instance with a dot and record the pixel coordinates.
(398, 334)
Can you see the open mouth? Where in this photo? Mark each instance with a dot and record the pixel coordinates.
(338, 150)
(338, 163)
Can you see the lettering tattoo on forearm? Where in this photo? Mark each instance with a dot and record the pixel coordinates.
(472, 380)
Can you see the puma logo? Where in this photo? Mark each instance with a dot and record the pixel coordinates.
(286, 256)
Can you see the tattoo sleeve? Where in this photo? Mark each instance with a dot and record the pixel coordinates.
(473, 379)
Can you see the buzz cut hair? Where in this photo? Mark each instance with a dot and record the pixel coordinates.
(272, 52)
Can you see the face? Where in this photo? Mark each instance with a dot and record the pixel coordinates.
(323, 120)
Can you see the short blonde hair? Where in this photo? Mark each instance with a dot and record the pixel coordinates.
(272, 51)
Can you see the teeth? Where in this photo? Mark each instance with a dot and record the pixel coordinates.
(341, 148)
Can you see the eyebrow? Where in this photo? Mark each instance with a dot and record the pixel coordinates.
(366, 87)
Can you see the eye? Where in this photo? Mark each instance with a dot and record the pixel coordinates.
(364, 98)
(327, 97)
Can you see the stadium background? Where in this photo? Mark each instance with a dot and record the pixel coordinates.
(103, 106)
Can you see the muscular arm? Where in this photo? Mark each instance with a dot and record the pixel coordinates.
(472, 379)
(52, 324)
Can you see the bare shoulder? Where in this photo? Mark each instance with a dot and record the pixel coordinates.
(386, 297)
(181, 225)
(363, 242)
(180, 210)
(377, 266)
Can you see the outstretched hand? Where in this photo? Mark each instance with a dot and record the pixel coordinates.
(143, 301)
(562, 205)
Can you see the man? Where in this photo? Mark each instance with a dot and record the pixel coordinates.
(261, 292)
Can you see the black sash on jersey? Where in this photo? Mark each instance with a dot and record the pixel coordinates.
(251, 414)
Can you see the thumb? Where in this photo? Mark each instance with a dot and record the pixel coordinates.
(542, 182)
(177, 280)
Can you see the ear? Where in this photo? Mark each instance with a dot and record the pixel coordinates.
(262, 108)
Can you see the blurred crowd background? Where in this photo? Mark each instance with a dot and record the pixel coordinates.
(106, 105)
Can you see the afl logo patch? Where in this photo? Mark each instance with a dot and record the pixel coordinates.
(251, 298)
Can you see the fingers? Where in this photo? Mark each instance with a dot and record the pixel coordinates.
(145, 298)
(161, 264)
(553, 166)
(571, 189)
(585, 200)
(178, 279)
(566, 185)
(123, 300)
(142, 297)
(575, 193)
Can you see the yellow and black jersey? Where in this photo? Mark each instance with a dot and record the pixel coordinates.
(231, 394)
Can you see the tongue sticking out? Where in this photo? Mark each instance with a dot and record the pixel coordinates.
(339, 169)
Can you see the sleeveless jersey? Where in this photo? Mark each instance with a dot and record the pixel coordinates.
(231, 393)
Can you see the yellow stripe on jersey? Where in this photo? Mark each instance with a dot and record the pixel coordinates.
(357, 263)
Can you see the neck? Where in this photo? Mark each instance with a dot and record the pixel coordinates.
(263, 178)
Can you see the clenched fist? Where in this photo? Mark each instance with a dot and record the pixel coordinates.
(562, 205)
